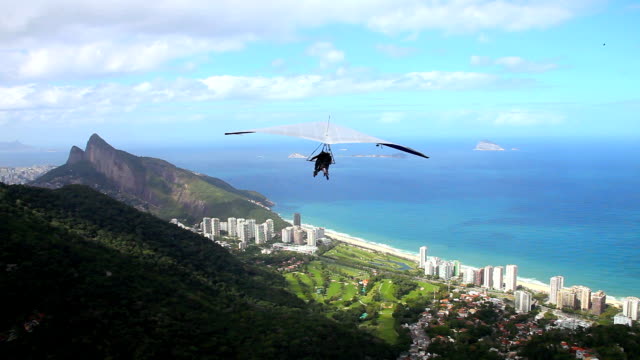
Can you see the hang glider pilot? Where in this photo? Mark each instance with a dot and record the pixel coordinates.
(323, 160)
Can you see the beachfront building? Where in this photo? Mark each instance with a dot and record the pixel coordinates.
(423, 256)
(598, 302)
(467, 276)
(456, 268)
(445, 270)
(631, 307)
(487, 277)
(312, 237)
(567, 297)
(477, 277)
(622, 319)
(429, 269)
(523, 301)
(583, 296)
(498, 277)
(555, 284)
(287, 234)
(511, 278)
(296, 219)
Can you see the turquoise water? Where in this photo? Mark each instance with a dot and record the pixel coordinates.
(555, 207)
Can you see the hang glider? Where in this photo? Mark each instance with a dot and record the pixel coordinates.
(327, 133)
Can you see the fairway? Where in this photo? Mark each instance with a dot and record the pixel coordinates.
(340, 273)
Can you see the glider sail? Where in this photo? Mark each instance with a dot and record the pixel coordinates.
(327, 133)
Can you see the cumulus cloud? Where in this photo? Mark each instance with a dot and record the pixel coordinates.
(514, 64)
(326, 52)
(38, 39)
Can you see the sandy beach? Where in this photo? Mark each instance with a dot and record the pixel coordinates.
(534, 286)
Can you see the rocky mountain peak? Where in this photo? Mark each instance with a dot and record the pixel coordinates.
(75, 155)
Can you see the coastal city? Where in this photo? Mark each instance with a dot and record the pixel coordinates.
(22, 175)
(470, 290)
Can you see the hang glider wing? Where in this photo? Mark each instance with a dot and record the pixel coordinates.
(327, 133)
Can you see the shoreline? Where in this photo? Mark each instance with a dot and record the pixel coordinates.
(531, 284)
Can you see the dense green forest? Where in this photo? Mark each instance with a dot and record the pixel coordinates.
(86, 276)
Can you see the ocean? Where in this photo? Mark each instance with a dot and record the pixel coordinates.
(566, 207)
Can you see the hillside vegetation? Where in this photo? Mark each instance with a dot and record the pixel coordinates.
(86, 276)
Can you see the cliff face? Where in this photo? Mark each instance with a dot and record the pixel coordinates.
(155, 185)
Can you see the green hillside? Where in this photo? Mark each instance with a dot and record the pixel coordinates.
(86, 276)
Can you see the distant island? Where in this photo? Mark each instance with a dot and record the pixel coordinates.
(486, 145)
(297, 156)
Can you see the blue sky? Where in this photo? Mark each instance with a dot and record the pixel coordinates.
(184, 72)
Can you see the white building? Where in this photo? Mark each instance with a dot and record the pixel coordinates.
(487, 279)
(467, 276)
(232, 226)
(206, 226)
(555, 284)
(298, 236)
(244, 231)
(312, 237)
(252, 228)
(429, 269)
(270, 227)
(630, 307)
(445, 270)
(261, 232)
(523, 301)
(511, 278)
(423, 256)
(622, 319)
(287, 235)
(498, 277)
(215, 227)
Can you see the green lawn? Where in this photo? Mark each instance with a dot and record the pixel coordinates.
(424, 290)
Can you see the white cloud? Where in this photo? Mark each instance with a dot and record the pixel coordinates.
(42, 39)
(513, 64)
(326, 52)
(527, 118)
(394, 50)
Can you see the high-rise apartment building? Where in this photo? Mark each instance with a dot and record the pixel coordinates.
(523, 301)
(312, 237)
(232, 226)
(270, 227)
(487, 277)
(498, 277)
(583, 296)
(555, 284)
(215, 227)
(567, 297)
(511, 278)
(261, 231)
(287, 234)
(477, 277)
(244, 231)
(298, 236)
(423, 256)
(598, 302)
(456, 268)
(206, 226)
(467, 276)
(296, 219)
(429, 269)
(631, 307)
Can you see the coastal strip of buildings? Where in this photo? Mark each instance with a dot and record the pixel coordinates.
(247, 231)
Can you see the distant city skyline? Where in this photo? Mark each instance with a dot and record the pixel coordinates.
(186, 73)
